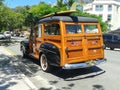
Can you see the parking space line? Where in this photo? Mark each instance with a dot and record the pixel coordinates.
(44, 82)
(10, 51)
(28, 82)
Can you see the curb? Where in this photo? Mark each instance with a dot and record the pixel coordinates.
(26, 80)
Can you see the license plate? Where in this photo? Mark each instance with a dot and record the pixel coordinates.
(91, 63)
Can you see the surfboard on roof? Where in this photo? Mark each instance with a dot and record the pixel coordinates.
(62, 13)
(65, 16)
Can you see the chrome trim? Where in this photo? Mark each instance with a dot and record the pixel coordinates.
(85, 64)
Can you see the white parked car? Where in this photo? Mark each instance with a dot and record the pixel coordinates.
(2, 36)
(7, 34)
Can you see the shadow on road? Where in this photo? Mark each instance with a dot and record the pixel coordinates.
(8, 75)
(30, 66)
(78, 74)
(27, 66)
(7, 42)
(11, 67)
(98, 87)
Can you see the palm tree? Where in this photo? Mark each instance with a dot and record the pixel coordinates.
(70, 2)
(60, 3)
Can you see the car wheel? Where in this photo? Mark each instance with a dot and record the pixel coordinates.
(111, 48)
(104, 46)
(24, 55)
(45, 66)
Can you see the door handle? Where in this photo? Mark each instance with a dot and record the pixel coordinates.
(39, 41)
(84, 36)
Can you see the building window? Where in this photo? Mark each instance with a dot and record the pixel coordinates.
(109, 17)
(109, 7)
(99, 8)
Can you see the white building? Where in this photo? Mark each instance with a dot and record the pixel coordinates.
(109, 10)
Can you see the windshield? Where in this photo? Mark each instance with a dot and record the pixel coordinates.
(73, 29)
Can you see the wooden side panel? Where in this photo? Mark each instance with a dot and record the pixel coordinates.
(95, 48)
(83, 49)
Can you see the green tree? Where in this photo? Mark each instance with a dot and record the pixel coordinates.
(38, 11)
(70, 2)
(26, 16)
(4, 17)
(60, 3)
(1, 2)
(9, 19)
(23, 10)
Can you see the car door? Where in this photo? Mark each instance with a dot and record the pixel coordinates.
(116, 41)
(93, 41)
(38, 38)
(35, 40)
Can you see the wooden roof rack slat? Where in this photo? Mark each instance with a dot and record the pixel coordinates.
(63, 13)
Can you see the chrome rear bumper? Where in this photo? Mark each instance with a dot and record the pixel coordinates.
(84, 65)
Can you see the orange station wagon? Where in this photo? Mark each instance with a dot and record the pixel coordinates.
(61, 40)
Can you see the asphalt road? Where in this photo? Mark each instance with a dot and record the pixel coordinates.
(102, 77)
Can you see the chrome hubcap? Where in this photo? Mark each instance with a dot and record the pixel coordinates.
(43, 62)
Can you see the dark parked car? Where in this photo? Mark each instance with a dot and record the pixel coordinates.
(7, 34)
(111, 40)
(2, 36)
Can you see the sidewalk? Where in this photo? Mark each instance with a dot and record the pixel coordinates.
(10, 78)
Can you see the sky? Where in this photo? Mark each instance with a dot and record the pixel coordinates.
(15, 3)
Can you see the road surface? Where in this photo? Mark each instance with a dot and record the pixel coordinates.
(102, 77)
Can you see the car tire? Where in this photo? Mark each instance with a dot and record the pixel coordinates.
(111, 48)
(24, 55)
(45, 66)
(104, 46)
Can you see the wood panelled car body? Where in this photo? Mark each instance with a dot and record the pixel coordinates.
(66, 41)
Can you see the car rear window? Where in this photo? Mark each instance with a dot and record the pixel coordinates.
(91, 28)
(73, 29)
(107, 37)
(116, 37)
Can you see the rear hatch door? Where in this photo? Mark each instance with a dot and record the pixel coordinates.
(83, 42)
